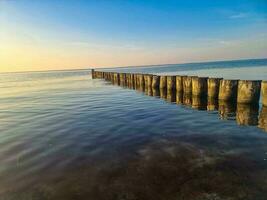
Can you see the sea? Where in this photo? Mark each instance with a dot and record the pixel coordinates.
(66, 136)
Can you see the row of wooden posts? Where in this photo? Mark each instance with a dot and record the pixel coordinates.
(240, 91)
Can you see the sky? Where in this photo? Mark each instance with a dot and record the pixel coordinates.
(77, 34)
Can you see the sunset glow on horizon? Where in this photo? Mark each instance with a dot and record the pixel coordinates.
(56, 35)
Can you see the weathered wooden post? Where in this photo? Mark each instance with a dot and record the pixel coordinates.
(155, 82)
(132, 81)
(163, 82)
(141, 81)
(199, 86)
(122, 79)
(116, 78)
(171, 82)
(146, 80)
(179, 83)
(149, 80)
(112, 76)
(248, 92)
(264, 92)
(247, 114)
(228, 90)
(187, 85)
(213, 87)
(136, 81)
(128, 79)
(93, 73)
(105, 76)
(263, 118)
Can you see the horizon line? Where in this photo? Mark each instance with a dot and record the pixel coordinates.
(130, 66)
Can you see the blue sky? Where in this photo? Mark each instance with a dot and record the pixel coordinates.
(129, 32)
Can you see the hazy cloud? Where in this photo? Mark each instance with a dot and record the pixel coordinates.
(239, 15)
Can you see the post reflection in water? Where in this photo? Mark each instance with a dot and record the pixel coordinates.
(187, 99)
(150, 91)
(171, 96)
(141, 88)
(163, 93)
(244, 114)
(227, 110)
(156, 92)
(247, 114)
(212, 104)
(199, 102)
(263, 118)
(179, 97)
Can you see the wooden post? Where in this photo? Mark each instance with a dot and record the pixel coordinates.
(163, 82)
(187, 85)
(171, 82)
(213, 87)
(264, 92)
(199, 86)
(155, 82)
(248, 92)
(263, 118)
(93, 73)
(228, 90)
(179, 83)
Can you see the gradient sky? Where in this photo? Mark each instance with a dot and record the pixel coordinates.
(69, 34)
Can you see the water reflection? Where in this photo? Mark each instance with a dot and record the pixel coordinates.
(179, 97)
(156, 92)
(247, 114)
(227, 110)
(213, 104)
(263, 118)
(187, 99)
(163, 93)
(199, 103)
(171, 96)
(244, 114)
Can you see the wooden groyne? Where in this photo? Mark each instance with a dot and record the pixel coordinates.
(232, 98)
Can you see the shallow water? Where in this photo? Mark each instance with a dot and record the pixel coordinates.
(64, 135)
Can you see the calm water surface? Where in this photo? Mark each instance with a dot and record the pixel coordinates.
(66, 136)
